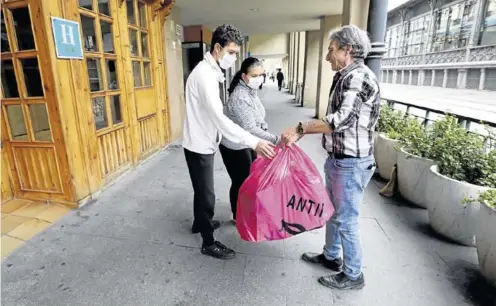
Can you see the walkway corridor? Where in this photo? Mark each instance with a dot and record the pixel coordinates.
(132, 246)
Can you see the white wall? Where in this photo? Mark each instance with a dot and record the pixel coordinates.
(174, 60)
(268, 45)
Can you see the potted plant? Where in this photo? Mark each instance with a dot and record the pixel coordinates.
(414, 161)
(486, 236)
(463, 171)
(389, 127)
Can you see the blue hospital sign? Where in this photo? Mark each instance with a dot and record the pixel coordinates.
(67, 38)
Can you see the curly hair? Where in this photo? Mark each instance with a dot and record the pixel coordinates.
(226, 34)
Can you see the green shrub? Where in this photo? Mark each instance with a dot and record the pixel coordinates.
(461, 155)
(489, 197)
(390, 122)
(415, 138)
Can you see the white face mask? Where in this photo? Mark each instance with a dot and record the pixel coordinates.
(227, 61)
(255, 83)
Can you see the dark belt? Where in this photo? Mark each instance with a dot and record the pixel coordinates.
(339, 156)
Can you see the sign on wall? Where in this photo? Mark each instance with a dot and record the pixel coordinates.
(67, 38)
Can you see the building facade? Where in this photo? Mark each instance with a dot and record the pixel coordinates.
(84, 95)
(442, 43)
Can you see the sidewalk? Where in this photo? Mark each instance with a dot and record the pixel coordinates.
(467, 102)
(133, 247)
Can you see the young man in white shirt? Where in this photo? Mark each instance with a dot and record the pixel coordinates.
(204, 126)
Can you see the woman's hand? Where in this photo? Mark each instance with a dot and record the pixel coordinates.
(266, 149)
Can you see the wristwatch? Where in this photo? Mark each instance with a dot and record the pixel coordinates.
(300, 130)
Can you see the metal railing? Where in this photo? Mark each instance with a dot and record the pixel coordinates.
(428, 115)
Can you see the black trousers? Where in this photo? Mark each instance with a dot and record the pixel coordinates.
(279, 83)
(201, 172)
(238, 164)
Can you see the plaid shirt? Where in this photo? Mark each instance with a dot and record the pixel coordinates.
(352, 112)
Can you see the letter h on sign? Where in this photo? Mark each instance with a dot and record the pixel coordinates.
(67, 38)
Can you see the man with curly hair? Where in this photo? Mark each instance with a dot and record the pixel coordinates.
(204, 126)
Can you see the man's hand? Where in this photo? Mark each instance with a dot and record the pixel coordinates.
(290, 136)
(266, 149)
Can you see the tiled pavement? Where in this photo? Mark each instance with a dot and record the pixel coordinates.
(133, 247)
(22, 220)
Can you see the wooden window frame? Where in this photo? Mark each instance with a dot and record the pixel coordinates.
(102, 57)
(140, 30)
(16, 56)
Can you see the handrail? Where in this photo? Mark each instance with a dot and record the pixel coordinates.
(464, 121)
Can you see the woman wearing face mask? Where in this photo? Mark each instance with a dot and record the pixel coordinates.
(245, 109)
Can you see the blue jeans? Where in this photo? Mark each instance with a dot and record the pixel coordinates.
(346, 180)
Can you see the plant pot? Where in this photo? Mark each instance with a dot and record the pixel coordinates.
(448, 214)
(486, 242)
(385, 155)
(412, 170)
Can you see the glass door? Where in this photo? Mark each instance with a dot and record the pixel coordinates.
(104, 72)
(31, 129)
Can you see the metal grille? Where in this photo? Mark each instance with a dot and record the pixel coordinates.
(490, 81)
(473, 78)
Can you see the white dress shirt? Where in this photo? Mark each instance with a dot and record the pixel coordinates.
(205, 123)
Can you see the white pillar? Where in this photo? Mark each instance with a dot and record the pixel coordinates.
(445, 78)
(482, 79)
(433, 81)
(325, 74)
(410, 77)
(311, 68)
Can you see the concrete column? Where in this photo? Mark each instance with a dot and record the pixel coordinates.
(462, 78)
(312, 59)
(433, 77)
(297, 61)
(402, 76)
(482, 79)
(376, 26)
(395, 77)
(301, 62)
(445, 78)
(325, 73)
(295, 58)
(290, 51)
(421, 77)
(410, 77)
(356, 12)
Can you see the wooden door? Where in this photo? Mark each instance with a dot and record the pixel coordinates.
(141, 51)
(106, 83)
(32, 134)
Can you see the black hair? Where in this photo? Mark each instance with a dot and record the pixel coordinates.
(226, 34)
(247, 64)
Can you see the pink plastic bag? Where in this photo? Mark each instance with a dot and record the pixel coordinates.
(282, 197)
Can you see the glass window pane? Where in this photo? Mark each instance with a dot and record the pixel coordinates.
(142, 14)
(133, 39)
(87, 4)
(16, 122)
(131, 18)
(112, 81)
(5, 39)
(94, 74)
(107, 38)
(99, 112)
(24, 32)
(144, 45)
(148, 73)
(137, 74)
(32, 77)
(115, 107)
(9, 83)
(103, 7)
(89, 34)
(39, 122)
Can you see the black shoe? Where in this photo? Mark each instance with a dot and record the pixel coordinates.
(196, 230)
(343, 282)
(218, 250)
(334, 265)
